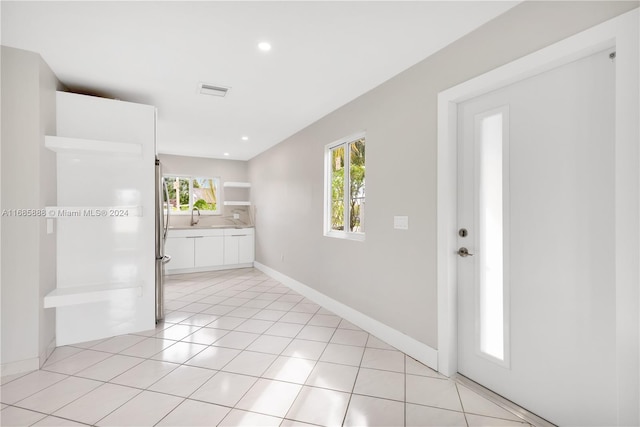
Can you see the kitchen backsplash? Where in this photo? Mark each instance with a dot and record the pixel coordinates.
(227, 218)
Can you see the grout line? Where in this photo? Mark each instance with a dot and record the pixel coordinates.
(355, 381)
(280, 355)
(76, 399)
(115, 409)
(184, 399)
(524, 415)
(45, 415)
(405, 390)
(36, 392)
(222, 287)
(245, 349)
(461, 403)
(20, 375)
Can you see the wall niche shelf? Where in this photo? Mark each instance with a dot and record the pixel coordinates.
(61, 297)
(61, 144)
(240, 192)
(232, 184)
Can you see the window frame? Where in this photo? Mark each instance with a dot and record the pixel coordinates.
(327, 230)
(216, 180)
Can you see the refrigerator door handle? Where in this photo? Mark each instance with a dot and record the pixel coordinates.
(166, 224)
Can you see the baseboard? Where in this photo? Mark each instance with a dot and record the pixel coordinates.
(20, 366)
(47, 351)
(205, 269)
(527, 416)
(397, 339)
(27, 365)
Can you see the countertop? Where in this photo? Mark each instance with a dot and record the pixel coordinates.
(208, 227)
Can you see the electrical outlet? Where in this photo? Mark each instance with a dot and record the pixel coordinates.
(401, 222)
(236, 216)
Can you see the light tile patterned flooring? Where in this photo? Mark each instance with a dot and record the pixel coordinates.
(239, 348)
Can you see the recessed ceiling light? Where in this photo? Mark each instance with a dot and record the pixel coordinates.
(264, 46)
(245, 138)
(226, 154)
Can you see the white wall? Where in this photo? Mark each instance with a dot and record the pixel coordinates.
(391, 277)
(28, 181)
(227, 170)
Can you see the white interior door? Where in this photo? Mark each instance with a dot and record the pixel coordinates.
(536, 300)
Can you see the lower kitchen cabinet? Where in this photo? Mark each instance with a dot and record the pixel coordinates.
(209, 249)
(239, 246)
(231, 250)
(181, 250)
(246, 249)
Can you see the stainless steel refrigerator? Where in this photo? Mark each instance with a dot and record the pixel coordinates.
(162, 225)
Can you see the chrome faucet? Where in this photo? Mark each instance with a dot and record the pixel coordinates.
(196, 221)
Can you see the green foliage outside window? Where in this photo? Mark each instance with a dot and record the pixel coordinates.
(181, 187)
(205, 195)
(356, 186)
(337, 189)
(201, 195)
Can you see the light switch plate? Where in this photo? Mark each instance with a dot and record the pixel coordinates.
(401, 222)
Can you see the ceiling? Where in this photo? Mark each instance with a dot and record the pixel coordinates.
(323, 55)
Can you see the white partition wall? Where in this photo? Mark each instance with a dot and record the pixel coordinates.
(104, 218)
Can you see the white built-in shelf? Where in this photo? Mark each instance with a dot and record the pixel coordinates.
(61, 144)
(62, 297)
(235, 184)
(231, 184)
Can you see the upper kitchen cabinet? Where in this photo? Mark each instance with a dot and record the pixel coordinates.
(104, 218)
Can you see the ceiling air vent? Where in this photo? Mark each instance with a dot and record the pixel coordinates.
(213, 90)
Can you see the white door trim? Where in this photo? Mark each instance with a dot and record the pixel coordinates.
(622, 33)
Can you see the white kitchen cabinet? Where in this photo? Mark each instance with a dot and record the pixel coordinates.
(239, 246)
(182, 252)
(202, 249)
(231, 250)
(246, 249)
(209, 251)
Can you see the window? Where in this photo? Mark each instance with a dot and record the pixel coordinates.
(493, 228)
(491, 281)
(186, 193)
(344, 188)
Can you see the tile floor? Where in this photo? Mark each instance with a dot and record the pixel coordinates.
(239, 348)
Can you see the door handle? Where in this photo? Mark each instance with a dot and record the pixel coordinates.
(165, 187)
(464, 252)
